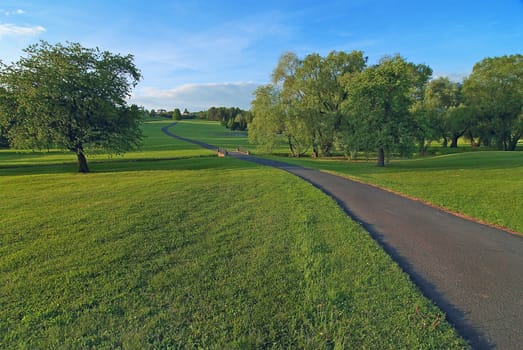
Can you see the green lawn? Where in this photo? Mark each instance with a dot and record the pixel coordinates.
(483, 185)
(212, 133)
(156, 146)
(193, 251)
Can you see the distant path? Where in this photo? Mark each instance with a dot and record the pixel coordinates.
(166, 131)
(474, 273)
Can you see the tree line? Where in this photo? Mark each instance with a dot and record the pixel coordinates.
(232, 118)
(339, 102)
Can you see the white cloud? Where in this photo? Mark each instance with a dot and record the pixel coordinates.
(196, 97)
(12, 29)
(15, 12)
(226, 51)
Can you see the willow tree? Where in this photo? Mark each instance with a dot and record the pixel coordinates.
(379, 105)
(495, 91)
(71, 97)
(440, 114)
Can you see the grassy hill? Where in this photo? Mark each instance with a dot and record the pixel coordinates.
(172, 247)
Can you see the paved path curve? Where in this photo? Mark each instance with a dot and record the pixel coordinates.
(473, 272)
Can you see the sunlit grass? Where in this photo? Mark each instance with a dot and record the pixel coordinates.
(197, 255)
(483, 185)
(194, 252)
(155, 146)
(480, 184)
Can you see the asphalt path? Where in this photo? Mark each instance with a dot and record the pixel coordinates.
(473, 272)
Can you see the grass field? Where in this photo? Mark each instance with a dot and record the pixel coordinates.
(192, 252)
(482, 185)
(156, 146)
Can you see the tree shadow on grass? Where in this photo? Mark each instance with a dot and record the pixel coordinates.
(129, 165)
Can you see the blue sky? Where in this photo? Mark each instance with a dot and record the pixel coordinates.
(197, 54)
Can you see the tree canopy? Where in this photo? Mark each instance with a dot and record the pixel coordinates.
(337, 102)
(495, 91)
(379, 105)
(304, 101)
(177, 115)
(70, 97)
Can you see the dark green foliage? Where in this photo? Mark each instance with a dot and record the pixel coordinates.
(441, 114)
(379, 106)
(495, 91)
(71, 97)
(304, 101)
(334, 103)
(232, 118)
(177, 115)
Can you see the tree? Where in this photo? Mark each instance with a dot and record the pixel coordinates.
(71, 97)
(276, 112)
(267, 123)
(5, 120)
(495, 91)
(312, 93)
(273, 120)
(177, 115)
(379, 105)
(440, 114)
(317, 94)
(293, 123)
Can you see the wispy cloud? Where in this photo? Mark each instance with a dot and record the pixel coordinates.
(7, 29)
(15, 12)
(229, 47)
(197, 97)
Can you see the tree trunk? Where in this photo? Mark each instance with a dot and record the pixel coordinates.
(513, 143)
(421, 146)
(381, 157)
(291, 147)
(82, 162)
(445, 142)
(454, 142)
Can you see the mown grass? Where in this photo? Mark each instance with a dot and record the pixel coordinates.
(193, 253)
(156, 146)
(212, 133)
(483, 185)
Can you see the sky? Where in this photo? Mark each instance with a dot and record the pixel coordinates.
(198, 54)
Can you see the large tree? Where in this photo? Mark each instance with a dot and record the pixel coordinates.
(273, 120)
(379, 105)
(274, 116)
(495, 91)
(318, 92)
(441, 113)
(71, 97)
